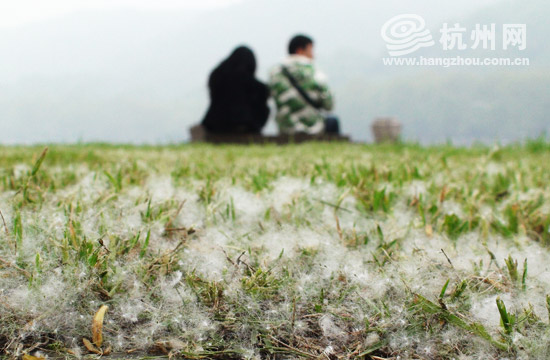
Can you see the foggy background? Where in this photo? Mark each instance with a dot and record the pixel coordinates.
(136, 71)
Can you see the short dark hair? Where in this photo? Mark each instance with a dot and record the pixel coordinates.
(299, 42)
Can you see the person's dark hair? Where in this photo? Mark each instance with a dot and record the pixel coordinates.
(242, 59)
(299, 42)
(238, 101)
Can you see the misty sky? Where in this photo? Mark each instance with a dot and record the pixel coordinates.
(135, 71)
(15, 13)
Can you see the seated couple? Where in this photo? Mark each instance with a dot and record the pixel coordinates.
(238, 101)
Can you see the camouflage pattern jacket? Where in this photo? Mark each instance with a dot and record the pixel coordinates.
(294, 114)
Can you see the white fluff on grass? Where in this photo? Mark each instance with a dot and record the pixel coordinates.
(301, 236)
(249, 207)
(21, 170)
(331, 330)
(131, 310)
(88, 189)
(285, 190)
(206, 254)
(35, 237)
(483, 309)
(160, 188)
(449, 207)
(416, 189)
(51, 303)
(493, 169)
(192, 214)
(288, 242)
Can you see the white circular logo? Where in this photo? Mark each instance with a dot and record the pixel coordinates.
(406, 33)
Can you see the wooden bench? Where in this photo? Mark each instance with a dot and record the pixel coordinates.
(199, 134)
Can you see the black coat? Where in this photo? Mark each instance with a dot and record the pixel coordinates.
(238, 102)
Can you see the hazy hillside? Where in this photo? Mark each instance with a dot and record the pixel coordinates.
(463, 104)
(140, 77)
(460, 107)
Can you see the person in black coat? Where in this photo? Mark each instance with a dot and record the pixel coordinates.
(238, 101)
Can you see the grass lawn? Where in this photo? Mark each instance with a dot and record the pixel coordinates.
(310, 251)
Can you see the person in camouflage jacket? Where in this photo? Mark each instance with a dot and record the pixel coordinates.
(294, 113)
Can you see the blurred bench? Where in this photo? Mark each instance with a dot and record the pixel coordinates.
(199, 134)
